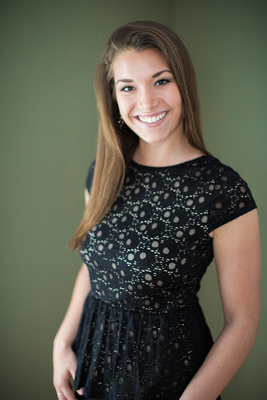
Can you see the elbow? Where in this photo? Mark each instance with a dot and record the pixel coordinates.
(254, 327)
(251, 331)
(251, 325)
(245, 328)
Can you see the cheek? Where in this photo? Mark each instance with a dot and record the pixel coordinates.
(124, 106)
(177, 104)
(175, 98)
(118, 100)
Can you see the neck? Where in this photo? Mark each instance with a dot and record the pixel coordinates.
(160, 155)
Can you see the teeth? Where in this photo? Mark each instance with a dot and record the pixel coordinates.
(151, 120)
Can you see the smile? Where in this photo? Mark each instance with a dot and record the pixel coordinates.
(152, 120)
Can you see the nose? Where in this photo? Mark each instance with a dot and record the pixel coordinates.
(147, 99)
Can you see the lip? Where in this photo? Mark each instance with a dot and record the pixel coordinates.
(152, 119)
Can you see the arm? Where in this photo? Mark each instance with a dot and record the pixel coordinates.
(68, 329)
(64, 359)
(238, 261)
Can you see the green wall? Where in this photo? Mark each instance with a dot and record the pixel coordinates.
(227, 42)
(48, 123)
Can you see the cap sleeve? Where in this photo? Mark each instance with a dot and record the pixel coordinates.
(231, 198)
(90, 176)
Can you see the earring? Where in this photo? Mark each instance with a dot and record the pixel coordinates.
(120, 121)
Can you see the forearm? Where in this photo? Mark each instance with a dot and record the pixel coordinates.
(68, 329)
(223, 361)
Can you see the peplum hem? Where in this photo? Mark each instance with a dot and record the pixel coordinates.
(122, 354)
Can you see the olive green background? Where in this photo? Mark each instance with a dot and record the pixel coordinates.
(49, 52)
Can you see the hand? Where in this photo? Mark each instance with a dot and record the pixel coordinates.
(65, 364)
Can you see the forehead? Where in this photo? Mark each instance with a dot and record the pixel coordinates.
(132, 63)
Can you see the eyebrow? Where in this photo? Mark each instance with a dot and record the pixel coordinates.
(160, 72)
(153, 76)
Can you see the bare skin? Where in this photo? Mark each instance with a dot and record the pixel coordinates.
(238, 261)
(146, 91)
(64, 359)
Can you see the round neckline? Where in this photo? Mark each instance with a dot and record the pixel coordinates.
(194, 160)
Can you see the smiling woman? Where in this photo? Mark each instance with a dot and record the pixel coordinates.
(150, 104)
(160, 208)
(116, 142)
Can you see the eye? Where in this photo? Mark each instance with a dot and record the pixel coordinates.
(162, 82)
(127, 89)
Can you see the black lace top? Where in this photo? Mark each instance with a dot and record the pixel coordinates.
(142, 334)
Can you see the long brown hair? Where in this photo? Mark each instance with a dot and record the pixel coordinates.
(116, 144)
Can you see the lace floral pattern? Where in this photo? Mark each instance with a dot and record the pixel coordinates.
(142, 334)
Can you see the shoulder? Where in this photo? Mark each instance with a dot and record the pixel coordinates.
(230, 195)
(215, 168)
(226, 178)
(222, 175)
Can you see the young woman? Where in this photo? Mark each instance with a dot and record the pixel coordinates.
(161, 207)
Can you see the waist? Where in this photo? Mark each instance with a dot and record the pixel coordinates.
(154, 303)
